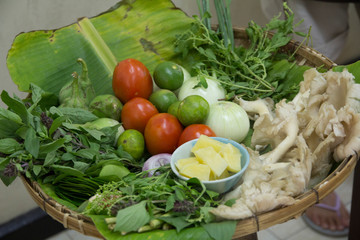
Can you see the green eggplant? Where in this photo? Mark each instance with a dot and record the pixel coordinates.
(79, 92)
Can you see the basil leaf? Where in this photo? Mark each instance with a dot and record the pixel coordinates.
(94, 133)
(81, 166)
(9, 145)
(56, 124)
(32, 143)
(52, 146)
(170, 203)
(86, 153)
(17, 106)
(9, 115)
(77, 115)
(132, 218)
(6, 180)
(50, 158)
(230, 202)
(36, 94)
(36, 169)
(178, 222)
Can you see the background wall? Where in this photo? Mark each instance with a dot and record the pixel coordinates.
(28, 15)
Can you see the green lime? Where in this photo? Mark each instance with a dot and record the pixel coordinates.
(168, 75)
(132, 141)
(193, 109)
(173, 108)
(162, 99)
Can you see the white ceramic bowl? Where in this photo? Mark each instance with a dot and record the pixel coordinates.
(221, 185)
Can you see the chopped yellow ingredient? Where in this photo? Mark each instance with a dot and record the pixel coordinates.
(210, 157)
(205, 141)
(232, 156)
(181, 163)
(200, 171)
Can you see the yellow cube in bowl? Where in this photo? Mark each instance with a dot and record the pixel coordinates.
(210, 157)
(205, 141)
(232, 156)
(181, 163)
(200, 171)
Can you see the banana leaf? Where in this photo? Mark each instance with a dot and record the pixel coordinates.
(198, 233)
(140, 29)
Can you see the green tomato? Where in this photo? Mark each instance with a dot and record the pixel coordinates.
(168, 75)
(193, 109)
(162, 99)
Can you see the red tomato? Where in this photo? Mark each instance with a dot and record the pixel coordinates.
(131, 79)
(136, 113)
(162, 133)
(194, 131)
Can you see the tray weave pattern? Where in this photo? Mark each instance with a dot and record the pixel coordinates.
(304, 56)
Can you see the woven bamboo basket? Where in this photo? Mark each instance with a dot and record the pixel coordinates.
(304, 56)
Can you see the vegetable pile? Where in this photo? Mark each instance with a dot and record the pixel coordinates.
(101, 143)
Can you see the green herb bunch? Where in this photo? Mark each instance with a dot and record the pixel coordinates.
(137, 201)
(240, 70)
(42, 142)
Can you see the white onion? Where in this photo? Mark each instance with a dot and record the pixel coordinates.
(228, 120)
(212, 93)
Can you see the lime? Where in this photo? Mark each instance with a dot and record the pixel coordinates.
(168, 75)
(162, 99)
(173, 108)
(193, 109)
(132, 141)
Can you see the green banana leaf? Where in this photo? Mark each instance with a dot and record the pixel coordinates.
(197, 233)
(140, 29)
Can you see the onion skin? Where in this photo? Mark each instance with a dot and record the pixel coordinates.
(228, 120)
(212, 93)
(155, 162)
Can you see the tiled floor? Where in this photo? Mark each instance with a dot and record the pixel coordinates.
(292, 230)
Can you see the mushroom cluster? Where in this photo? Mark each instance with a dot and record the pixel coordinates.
(319, 126)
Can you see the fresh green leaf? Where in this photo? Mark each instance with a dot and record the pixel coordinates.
(221, 230)
(178, 222)
(56, 124)
(17, 106)
(6, 180)
(97, 134)
(52, 146)
(75, 115)
(36, 169)
(50, 158)
(230, 202)
(353, 68)
(9, 145)
(170, 203)
(132, 218)
(86, 153)
(81, 166)
(32, 142)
